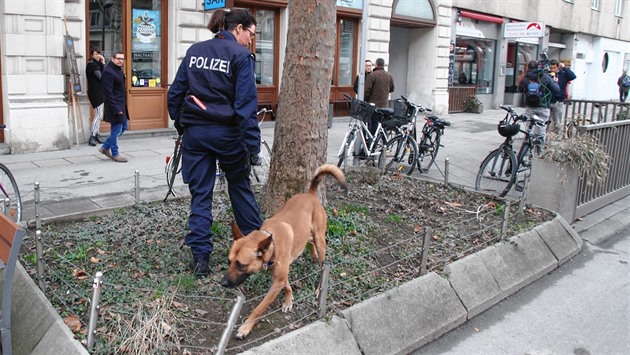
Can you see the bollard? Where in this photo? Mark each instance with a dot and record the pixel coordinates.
(137, 188)
(447, 163)
(39, 251)
(96, 299)
(506, 215)
(323, 290)
(425, 250)
(225, 337)
(38, 220)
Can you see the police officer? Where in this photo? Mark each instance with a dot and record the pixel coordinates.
(213, 101)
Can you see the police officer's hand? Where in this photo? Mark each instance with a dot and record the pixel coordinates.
(179, 127)
(254, 159)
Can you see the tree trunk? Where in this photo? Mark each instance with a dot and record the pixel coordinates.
(301, 130)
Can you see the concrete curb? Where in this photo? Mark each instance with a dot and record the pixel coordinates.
(36, 327)
(415, 313)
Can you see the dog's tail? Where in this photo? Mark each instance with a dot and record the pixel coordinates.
(321, 172)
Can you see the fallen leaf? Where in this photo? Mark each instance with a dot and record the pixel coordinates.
(166, 327)
(101, 251)
(80, 274)
(201, 312)
(417, 228)
(454, 204)
(73, 323)
(95, 260)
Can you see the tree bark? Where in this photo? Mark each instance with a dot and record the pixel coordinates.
(301, 130)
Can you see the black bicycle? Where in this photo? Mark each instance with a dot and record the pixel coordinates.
(429, 143)
(11, 200)
(502, 168)
(259, 173)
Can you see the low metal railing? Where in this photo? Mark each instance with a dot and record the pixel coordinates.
(591, 111)
(615, 137)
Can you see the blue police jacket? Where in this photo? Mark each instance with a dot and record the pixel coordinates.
(215, 84)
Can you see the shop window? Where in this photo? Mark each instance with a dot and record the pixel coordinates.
(105, 26)
(146, 39)
(474, 63)
(265, 46)
(346, 52)
(353, 4)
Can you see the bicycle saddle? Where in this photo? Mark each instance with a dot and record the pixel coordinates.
(439, 121)
(385, 110)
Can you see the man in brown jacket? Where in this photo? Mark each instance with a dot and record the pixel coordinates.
(378, 85)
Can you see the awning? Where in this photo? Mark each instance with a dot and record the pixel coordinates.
(481, 17)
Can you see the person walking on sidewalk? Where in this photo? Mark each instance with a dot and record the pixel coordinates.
(378, 85)
(115, 95)
(561, 75)
(214, 107)
(93, 72)
(624, 85)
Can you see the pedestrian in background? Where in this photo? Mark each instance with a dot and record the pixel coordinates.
(214, 107)
(562, 76)
(93, 72)
(368, 70)
(115, 97)
(624, 85)
(537, 87)
(378, 85)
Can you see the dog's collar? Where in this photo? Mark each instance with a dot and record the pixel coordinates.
(268, 264)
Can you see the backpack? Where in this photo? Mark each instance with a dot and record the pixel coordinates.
(533, 95)
(625, 82)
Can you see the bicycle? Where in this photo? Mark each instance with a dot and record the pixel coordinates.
(10, 193)
(260, 173)
(502, 168)
(401, 151)
(368, 147)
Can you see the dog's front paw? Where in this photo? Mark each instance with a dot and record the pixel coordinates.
(244, 330)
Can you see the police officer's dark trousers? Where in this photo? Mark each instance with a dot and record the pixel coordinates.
(202, 146)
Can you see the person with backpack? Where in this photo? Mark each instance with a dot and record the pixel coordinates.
(562, 76)
(538, 89)
(624, 86)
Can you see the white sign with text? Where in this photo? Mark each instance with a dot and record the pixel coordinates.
(524, 29)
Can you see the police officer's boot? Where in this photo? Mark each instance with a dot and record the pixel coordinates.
(199, 266)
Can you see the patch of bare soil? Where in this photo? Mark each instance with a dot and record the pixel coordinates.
(151, 303)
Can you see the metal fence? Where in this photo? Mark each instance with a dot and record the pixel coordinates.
(582, 112)
(615, 137)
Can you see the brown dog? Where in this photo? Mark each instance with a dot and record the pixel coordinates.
(278, 242)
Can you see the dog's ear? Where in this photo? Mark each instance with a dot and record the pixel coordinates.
(263, 245)
(236, 231)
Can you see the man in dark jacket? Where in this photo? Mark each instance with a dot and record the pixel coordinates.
(537, 105)
(378, 85)
(561, 75)
(623, 89)
(368, 70)
(93, 72)
(115, 95)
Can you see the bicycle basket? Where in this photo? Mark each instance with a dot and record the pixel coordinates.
(401, 109)
(508, 130)
(361, 110)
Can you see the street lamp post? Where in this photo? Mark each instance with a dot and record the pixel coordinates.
(106, 4)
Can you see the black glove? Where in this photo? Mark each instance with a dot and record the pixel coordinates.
(254, 159)
(179, 127)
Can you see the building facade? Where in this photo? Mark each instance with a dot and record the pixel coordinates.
(439, 51)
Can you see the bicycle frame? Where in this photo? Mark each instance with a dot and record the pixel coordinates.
(359, 127)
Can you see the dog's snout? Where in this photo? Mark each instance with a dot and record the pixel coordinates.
(225, 282)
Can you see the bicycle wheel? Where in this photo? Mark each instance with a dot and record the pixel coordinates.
(10, 191)
(428, 149)
(173, 166)
(376, 151)
(524, 168)
(346, 148)
(400, 155)
(260, 173)
(497, 172)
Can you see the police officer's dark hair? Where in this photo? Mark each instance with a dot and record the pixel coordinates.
(554, 62)
(228, 20)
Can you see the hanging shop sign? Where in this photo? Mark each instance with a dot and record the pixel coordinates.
(524, 29)
(213, 4)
